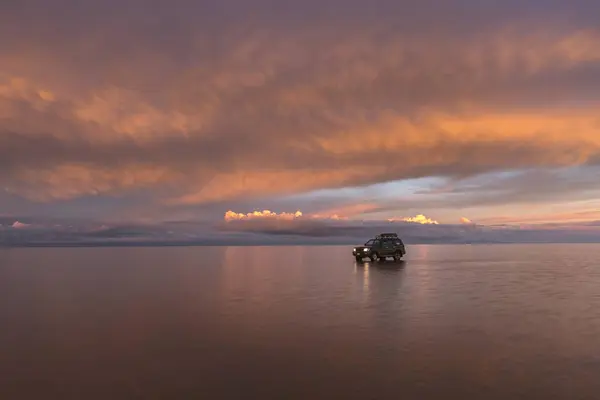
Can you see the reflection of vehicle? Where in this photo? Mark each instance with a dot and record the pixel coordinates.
(381, 247)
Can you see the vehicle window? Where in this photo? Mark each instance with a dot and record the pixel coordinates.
(376, 243)
(369, 243)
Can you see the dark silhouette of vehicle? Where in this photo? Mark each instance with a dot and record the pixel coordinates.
(381, 247)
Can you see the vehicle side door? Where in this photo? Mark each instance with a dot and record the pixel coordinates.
(387, 247)
(376, 246)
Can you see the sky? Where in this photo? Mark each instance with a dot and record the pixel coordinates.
(428, 115)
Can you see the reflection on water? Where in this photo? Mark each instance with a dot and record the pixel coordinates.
(491, 322)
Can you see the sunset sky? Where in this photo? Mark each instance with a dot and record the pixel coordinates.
(429, 112)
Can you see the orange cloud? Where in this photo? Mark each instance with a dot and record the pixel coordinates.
(419, 219)
(69, 181)
(278, 113)
(465, 221)
(233, 216)
(267, 214)
(16, 90)
(121, 112)
(46, 95)
(223, 186)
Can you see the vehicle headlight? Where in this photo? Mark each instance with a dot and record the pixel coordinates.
(365, 250)
(354, 249)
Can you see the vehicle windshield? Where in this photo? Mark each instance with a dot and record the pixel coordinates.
(369, 243)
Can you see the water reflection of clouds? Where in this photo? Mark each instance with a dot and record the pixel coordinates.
(381, 282)
(450, 314)
(365, 282)
(257, 281)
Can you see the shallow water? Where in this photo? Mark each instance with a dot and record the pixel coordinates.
(493, 322)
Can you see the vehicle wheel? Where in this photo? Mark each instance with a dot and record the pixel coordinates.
(374, 257)
(358, 259)
(398, 256)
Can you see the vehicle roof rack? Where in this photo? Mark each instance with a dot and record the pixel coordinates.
(387, 236)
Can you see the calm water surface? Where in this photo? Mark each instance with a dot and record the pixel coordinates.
(484, 322)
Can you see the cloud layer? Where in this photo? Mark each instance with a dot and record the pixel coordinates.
(195, 103)
(290, 231)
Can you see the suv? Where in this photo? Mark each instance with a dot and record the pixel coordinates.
(382, 246)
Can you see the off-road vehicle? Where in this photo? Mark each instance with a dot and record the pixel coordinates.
(379, 248)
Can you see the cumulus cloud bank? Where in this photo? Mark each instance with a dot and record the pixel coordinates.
(286, 231)
(294, 228)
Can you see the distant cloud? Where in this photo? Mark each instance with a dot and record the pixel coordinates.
(233, 216)
(465, 221)
(290, 231)
(359, 231)
(419, 219)
(267, 214)
(20, 225)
